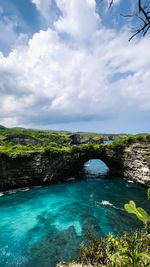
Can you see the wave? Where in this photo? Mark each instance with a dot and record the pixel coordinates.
(24, 189)
(1, 194)
(14, 191)
(105, 202)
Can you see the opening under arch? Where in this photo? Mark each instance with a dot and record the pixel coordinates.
(95, 168)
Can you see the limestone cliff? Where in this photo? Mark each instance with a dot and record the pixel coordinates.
(37, 168)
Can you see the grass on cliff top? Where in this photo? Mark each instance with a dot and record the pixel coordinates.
(61, 137)
(50, 135)
(54, 149)
(129, 141)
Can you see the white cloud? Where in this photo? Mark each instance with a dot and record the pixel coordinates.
(54, 80)
(78, 19)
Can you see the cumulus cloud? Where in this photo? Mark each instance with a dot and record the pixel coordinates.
(53, 80)
(79, 18)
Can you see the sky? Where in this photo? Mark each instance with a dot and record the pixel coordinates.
(68, 65)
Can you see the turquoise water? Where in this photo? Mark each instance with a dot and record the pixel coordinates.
(44, 225)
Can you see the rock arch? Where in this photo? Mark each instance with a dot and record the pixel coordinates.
(131, 161)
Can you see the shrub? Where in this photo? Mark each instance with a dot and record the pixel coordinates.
(18, 154)
(119, 144)
(140, 138)
(148, 137)
(128, 250)
(52, 150)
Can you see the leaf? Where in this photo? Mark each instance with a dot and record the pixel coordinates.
(142, 215)
(142, 254)
(148, 235)
(128, 255)
(148, 193)
(131, 207)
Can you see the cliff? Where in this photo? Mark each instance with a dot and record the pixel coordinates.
(128, 159)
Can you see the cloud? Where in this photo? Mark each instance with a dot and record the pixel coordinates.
(54, 79)
(79, 18)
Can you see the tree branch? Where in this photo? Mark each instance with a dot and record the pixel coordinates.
(143, 14)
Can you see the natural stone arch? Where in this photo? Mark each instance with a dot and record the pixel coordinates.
(37, 168)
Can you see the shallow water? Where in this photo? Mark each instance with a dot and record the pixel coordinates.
(44, 225)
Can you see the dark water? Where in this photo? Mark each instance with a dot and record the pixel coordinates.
(44, 225)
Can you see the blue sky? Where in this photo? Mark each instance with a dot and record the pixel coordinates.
(67, 64)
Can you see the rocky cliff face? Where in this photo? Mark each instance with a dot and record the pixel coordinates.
(25, 140)
(135, 163)
(77, 139)
(36, 168)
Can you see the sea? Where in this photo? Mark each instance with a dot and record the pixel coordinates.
(41, 226)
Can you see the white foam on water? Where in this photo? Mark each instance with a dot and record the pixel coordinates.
(130, 181)
(12, 192)
(24, 189)
(1, 194)
(107, 203)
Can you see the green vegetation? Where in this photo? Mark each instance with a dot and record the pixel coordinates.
(129, 141)
(140, 213)
(54, 144)
(103, 135)
(128, 250)
(61, 137)
(86, 147)
(52, 149)
(116, 144)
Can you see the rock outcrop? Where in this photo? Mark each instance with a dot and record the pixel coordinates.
(37, 168)
(25, 140)
(77, 139)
